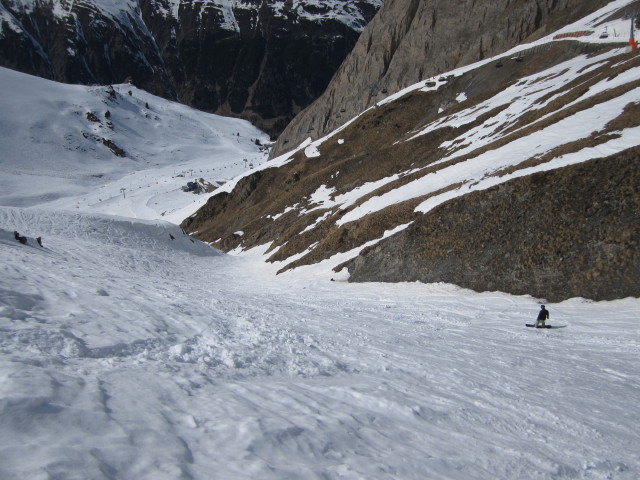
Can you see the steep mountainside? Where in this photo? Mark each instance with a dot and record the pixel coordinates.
(411, 40)
(255, 59)
(518, 173)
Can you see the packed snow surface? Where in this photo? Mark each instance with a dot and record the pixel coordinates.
(126, 354)
(129, 350)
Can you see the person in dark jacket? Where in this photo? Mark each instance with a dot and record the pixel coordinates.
(543, 316)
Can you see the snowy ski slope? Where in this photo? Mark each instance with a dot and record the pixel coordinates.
(53, 153)
(130, 351)
(128, 355)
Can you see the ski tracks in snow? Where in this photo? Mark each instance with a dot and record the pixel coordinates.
(126, 354)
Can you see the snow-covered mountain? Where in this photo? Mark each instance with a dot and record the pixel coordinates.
(518, 173)
(256, 59)
(354, 14)
(113, 149)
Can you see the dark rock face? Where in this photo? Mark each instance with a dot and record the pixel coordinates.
(411, 40)
(259, 60)
(581, 240)
(84, 45)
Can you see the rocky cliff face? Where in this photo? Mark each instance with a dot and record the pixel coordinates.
(581, 240)
(411, 40)
(254, 59)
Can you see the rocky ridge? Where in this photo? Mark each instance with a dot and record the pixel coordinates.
(412, 40)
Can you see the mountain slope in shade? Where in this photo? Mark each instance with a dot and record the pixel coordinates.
(262, 61)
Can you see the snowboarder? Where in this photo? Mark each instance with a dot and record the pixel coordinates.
(543, 316)
(21, 238)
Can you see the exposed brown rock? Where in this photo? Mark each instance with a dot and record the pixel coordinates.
(411, 40)
(570, 232)
(273, 207)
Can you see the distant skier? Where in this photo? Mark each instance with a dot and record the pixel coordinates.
(543, 316)
(21, 238)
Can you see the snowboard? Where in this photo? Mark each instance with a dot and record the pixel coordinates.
(541, 326)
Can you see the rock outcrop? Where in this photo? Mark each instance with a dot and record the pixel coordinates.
(570, 232)
(410, 40)
(259, 60)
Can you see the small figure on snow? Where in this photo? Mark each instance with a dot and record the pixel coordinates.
(543, 316)
(21, 238)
